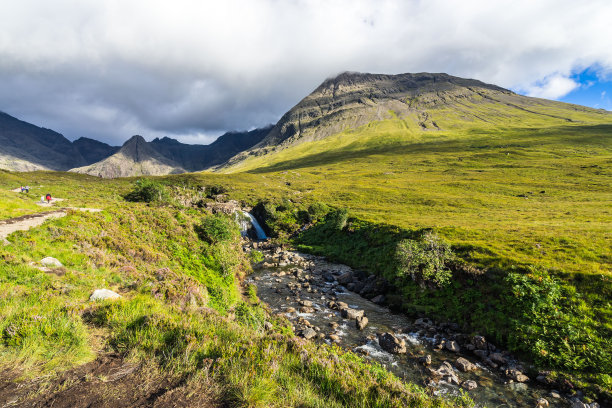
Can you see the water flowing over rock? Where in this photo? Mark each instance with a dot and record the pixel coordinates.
(392, 344)
(247, 221)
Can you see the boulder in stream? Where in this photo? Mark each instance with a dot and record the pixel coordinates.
(361, 322)
(352, 314)
(469, 385)
(392, 344)
(464, 365)
(345, 278)
(453, 346)
(379, 300)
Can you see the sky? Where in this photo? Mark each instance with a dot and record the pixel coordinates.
(194, 69)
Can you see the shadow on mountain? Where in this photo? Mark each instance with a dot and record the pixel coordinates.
(518, 138)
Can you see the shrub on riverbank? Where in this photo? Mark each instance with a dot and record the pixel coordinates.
(528, 311)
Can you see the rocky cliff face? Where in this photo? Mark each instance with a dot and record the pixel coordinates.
(135, 158)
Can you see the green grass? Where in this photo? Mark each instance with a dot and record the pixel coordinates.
(181, 311)
(518, 196)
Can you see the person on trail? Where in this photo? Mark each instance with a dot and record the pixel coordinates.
(48, 198)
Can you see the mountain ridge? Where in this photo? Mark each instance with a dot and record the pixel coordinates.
(425, 102)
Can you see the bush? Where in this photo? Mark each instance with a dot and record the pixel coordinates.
(217, 228)
(147, 191)
(425, 260)
(317, 211)
(336, 219)
(255, 256)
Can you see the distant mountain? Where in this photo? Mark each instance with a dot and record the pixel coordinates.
(93, 151)
(200, 157)
(424, 101)
(26, 147)
(135, 158)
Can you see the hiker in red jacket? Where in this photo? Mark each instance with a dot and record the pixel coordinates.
(48, 198)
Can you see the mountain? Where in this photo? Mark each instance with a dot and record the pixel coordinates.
(93, 150)
(200, 157)
(26, 147)
(135, 158)
(425, 102)
(138, 157)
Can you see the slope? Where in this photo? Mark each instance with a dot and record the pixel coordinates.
(425, 103)
(135, 158)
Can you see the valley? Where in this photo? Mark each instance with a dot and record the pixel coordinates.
(484, 213)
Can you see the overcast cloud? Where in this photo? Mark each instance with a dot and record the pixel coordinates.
(192, 69)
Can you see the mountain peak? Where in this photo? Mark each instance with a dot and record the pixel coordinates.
(135, 140)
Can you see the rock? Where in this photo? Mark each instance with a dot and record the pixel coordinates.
(555, 394)
(425, 360)
(341, 305)
(542, 402)
(498, 358)
(423, 322)
(102, 294)
(328, 277)
(361, 322)
(306, 303)
(469, 385)
(352, 314)
(51, 262)
(479, 342)
(333, 325)
(452, 346)
(268, 326)
(308, 333)
(334, 337)
(379, 300)
(306, 309)
(290, 310)
(392, 344)
(345, 278)
(516, 375)
(464, 365)
(447, 373)
(481, 353)
(579, 404)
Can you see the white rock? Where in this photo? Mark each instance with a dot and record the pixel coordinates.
(52, 262)
(101, 294)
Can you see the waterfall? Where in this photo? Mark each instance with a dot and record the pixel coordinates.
(248, 221)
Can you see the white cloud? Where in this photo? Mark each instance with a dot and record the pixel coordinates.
(552, 87)
(194, 67)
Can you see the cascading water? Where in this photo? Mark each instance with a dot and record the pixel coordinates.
(247, 221)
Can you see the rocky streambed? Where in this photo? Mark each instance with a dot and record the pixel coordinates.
(322, 301)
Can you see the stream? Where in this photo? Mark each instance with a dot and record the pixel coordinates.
(302, 286)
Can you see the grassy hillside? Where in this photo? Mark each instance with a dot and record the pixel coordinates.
(517, 195)
(181, 323)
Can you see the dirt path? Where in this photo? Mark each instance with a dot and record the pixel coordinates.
(25, 222)
(107, 382)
